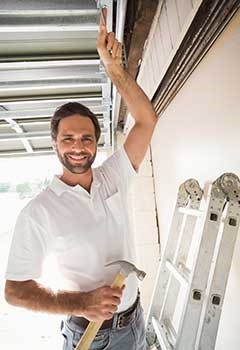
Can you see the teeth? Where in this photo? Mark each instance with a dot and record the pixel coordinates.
(77, 157)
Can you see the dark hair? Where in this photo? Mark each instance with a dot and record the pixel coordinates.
(67, 110)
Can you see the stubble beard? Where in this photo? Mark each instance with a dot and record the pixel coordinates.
(79, 168)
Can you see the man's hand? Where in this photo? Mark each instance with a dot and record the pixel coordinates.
(109, 48)
(100, 304)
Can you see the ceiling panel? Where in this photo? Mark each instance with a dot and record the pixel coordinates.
(48, 57)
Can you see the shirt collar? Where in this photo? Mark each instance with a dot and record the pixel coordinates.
(58, 186)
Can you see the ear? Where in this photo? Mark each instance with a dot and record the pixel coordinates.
(54, 145)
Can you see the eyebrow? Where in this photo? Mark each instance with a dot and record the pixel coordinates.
(84, 135)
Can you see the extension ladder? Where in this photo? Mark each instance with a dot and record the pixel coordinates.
(186, 304)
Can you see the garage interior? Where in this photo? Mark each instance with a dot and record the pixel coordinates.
(185, 56)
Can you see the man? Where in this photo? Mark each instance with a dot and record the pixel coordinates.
(82, 217)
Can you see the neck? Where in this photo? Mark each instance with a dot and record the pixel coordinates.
(84, 180)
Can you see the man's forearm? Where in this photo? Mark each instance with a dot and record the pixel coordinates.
(33, 296)
(136, 100)
(96, 305)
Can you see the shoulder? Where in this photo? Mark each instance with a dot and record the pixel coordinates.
(117, 169)
(37, 205)
(119, 160)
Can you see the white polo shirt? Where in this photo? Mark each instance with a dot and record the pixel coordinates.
(84, 230)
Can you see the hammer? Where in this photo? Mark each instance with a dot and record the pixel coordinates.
(93, 327)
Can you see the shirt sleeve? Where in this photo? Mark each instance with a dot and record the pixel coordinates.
(120, 168)
(29, 247)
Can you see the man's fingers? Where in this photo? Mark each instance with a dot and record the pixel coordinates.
(110, 299)
(110, 40)
(102, 303)
(103, 17)
(110, 308)
(117, 292)
(102, 33)
(109, 48)
(119, 54)
(115, 48)
(112, 296)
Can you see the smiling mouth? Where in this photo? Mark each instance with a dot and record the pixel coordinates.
(77, 158)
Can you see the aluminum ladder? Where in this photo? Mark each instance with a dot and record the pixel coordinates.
(186, 303)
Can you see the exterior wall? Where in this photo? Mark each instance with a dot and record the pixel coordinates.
(143, 219)
(145, 227)
(198, 137)
(170, 24)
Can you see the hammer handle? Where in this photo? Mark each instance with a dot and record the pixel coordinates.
(93, 327)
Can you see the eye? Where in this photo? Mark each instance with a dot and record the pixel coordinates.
(87, 139)
(67, 139)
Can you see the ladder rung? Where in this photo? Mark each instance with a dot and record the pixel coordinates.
(171, 330)
(192, 212)
(161, 334)
(181, 273)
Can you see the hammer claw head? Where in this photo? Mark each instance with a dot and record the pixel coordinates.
(127, 268)
(141, 275)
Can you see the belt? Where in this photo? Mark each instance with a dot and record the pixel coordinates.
(120, 320)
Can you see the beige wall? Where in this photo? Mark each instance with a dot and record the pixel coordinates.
(142, 208)
(198, 136)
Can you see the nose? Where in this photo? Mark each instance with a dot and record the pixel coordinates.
(78, 145)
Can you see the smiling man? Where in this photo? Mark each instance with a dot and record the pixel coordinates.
(75, 132)
(82, 217)
(76, 158)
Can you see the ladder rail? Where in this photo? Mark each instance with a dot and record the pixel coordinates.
(192, 309)
(182, 276)
(161, 283)
(177, 225)
(162, 335)
(213, 309)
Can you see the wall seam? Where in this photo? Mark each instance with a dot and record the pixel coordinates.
(155, 201)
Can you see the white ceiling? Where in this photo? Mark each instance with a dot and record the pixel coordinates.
(48, 57)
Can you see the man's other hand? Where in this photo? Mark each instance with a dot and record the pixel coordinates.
(100, 304)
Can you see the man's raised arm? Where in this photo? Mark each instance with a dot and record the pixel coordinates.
(138, 104)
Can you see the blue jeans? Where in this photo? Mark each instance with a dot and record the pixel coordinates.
(131, 337)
